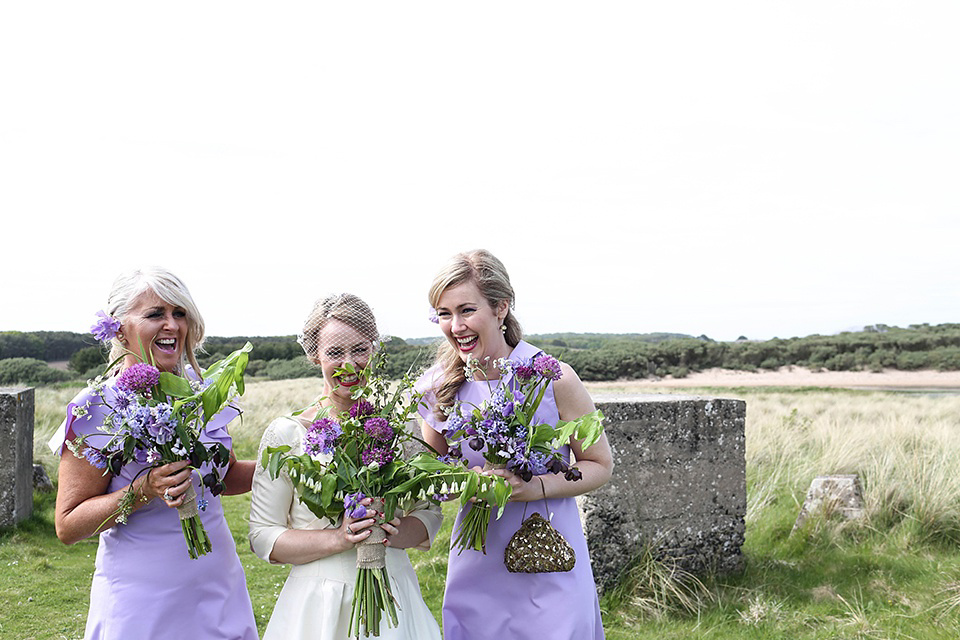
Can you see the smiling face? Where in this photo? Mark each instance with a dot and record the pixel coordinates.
(160, 327)
(470, 324)
(339, 344)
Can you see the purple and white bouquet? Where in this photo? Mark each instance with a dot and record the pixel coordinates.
(506, 432)
(154, 418)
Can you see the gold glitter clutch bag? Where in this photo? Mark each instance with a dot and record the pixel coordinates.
(537, 547)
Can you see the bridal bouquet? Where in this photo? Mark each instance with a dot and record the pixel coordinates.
(156, 417)
(359, 454)
(505, 430)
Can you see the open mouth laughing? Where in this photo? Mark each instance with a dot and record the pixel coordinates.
(467, 343)
(166, 345)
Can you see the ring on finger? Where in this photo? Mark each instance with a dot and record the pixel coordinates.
(349, 530)
(167, 496)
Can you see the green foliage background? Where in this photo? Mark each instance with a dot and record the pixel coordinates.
(595, 357)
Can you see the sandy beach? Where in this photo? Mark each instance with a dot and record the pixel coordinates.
(795, 377)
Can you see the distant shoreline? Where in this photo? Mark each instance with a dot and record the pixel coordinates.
(889, 379)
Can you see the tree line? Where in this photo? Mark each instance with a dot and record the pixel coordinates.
(597, 357)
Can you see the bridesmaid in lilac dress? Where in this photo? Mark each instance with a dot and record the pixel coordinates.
(472, 298)
(145, 585)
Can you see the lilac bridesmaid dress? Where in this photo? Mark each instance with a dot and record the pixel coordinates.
(144, 584)
(482, 598)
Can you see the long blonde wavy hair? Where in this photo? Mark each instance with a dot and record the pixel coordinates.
(483, 269)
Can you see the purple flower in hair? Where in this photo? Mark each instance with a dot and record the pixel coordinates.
(105, 328)
(140, 377)
(433, 317)
(547, 366)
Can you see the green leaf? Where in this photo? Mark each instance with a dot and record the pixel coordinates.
(328, 485)
(175, 386)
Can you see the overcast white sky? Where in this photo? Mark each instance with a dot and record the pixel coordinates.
(721, 168)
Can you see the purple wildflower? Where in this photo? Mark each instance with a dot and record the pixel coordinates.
(378, 428)
(139, 377)
(202, 504)
(523, 370)
(360, 409)
(351, 503)
(105, 328)
(95, 458)
(321, 436)
(434, 318)
(547, 366)
(378, 455)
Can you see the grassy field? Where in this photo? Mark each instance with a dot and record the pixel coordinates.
(895, 574)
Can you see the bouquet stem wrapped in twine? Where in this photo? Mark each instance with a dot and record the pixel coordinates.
(372, 597)
(198, 542)
(371, 552)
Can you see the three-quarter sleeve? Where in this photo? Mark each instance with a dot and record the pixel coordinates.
(271, 499)
(431, 516)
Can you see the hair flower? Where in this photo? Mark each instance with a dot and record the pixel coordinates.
(105, 328)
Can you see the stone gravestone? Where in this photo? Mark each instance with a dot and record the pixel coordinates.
(16, 455)
(678, 486)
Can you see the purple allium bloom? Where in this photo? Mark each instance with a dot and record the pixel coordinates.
(351, 502)
(547, 366)
(379, 455)
(95, 458)
(139, 377)
(105, 328)
(434, 318)
(378, 428)
(360, 409)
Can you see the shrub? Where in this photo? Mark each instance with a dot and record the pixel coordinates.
(30, 371)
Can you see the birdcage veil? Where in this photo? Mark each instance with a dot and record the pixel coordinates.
(339, 325)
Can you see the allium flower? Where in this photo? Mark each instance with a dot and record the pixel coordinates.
(378, 455)
(547, 366)
(433, 317)
(95, 458)
(105, 328)
(139, 377)
(351, 503)
(360, 409)
(378, 428)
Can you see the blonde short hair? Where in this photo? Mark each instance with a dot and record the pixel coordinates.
(130, 285)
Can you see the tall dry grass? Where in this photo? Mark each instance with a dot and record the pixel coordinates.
(905, 448)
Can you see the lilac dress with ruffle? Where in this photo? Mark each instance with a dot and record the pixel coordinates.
(144, 584)
(482, 598)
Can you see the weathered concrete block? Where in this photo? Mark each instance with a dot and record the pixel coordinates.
(679, 485)
(828, 495)
(16, 455)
